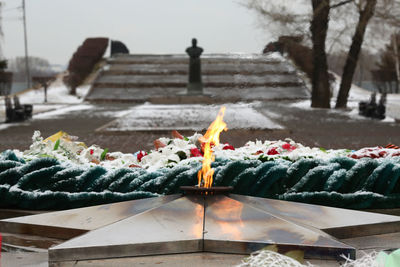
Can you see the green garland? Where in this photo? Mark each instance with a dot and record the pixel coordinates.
(45, 183)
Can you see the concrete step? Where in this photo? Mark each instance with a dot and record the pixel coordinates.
(174, 95)
(226, 77)
(207, 69)
(177, 80)
(184, 59)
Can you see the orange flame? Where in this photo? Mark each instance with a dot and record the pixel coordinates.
(211, 138)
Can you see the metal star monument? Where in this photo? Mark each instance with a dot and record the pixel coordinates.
(200, 223)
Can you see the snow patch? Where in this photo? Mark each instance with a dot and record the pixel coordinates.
(56, 93)
(191, 117)
(61, 111)
(352, 113)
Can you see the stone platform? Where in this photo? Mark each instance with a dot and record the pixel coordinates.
(226, 78)
(185, 117)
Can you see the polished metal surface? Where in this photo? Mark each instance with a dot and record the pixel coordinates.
(212, 223)
(70, 223)
(206, 191)
(341, 223)
(176, 227)
(246, 229)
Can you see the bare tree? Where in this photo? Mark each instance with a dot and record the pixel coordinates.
(387, 15)
(385, 76)
(320, 96)
(342, 15)
(284, 17)
(293, 18)
(1, 31)
(396, 57)
(367, 9)
(38, 67)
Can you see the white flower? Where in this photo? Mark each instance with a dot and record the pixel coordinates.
(176, 152)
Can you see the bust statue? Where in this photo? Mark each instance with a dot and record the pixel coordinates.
(195, 85)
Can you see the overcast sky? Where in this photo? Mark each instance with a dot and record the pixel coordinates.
(57, 27)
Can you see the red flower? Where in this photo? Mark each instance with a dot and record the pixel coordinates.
(91, 151)
(259, 152)
(272, 151)
(382, 154)
(228, 147)
(140, 155)
(203, 145)
(288, 146)
(195, 152)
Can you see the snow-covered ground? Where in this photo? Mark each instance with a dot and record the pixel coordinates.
(62, 110)
(60, 102)
(356, 95)
(57, 93)
(191, 117)
(393, 106)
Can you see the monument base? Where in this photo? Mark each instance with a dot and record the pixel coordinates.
(195, 89)
(187, 99)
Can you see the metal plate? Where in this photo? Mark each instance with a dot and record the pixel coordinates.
(176, 227)
(206, 191)
(224, 224)
(341, 223)
(234, 227)
(70, 223)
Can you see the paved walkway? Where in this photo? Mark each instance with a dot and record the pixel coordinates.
(323, 128)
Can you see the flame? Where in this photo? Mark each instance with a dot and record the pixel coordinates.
(210, 139)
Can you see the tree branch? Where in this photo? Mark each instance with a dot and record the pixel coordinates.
(341, 3)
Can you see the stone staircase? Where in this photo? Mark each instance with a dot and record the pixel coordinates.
(226, 77)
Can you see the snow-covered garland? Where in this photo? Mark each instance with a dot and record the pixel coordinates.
(181, 150)
(60, 173)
